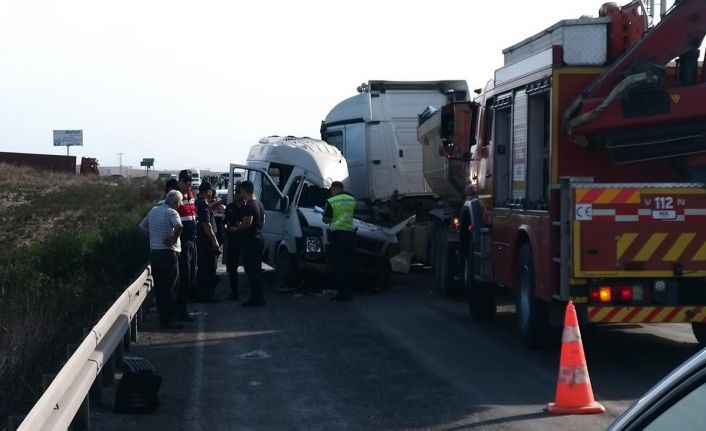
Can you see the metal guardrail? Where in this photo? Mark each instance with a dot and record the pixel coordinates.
(69, 390)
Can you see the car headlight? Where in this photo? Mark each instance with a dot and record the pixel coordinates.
(313, 244)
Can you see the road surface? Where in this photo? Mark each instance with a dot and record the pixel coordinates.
(402, 359)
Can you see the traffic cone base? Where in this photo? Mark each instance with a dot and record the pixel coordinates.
(593, 408)
(574, 395)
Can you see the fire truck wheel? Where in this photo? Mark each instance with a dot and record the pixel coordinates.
(699, 329)
(532, 313)
(286, 271)
(480, 296)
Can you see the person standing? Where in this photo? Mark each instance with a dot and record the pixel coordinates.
(233, 217)
(252, 242)
(338, 213)
(187, 257)
(206, 244)
(164, 227)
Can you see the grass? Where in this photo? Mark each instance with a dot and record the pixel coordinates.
(69, 246)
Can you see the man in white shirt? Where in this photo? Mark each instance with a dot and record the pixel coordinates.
(164, 227)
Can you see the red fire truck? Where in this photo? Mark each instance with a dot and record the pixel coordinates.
(578, 173)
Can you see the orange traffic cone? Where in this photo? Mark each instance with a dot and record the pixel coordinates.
(574, 394)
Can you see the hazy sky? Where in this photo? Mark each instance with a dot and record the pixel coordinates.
(197, 83)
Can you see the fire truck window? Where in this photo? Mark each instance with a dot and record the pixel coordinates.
(519, 148)
(538, 152)
(501, 131)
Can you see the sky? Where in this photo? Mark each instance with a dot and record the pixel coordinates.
(197, 83)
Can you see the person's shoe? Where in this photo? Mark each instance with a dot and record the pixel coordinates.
(253, 303)
(170, 326)
(185, 318)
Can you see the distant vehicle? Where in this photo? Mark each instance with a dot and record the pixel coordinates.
(675, 403)
(291, 177)
(165, 176)
(222, 195)
(195, 178)
(89, 166)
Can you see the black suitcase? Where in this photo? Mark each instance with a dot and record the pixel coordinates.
(137, 390)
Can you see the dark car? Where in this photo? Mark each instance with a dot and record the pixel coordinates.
(677, 403)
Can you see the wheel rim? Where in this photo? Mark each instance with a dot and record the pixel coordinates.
(524, 305)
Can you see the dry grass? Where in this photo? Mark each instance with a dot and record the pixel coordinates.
(70, 244)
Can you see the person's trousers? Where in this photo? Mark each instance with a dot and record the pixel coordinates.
(342, 244)
(233, 260)
(165, 272)
(252, 261)
(206, 278)
(187, 276)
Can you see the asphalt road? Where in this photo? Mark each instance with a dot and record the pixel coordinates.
(401, 359)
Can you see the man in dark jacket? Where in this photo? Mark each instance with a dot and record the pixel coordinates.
(207, 245)
(252, 242)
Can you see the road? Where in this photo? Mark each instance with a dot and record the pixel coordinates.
(401, 359)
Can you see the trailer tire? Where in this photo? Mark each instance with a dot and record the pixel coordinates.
(699, 329)
(286, 272)
(480, 296)
(532, 314)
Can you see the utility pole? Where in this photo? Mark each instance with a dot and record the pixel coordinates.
(120, 155)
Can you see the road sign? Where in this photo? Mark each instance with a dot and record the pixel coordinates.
(68, 138)
(147, 162)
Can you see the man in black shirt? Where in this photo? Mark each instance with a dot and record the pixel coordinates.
(233, 217)
(206, 244)
(252, 242)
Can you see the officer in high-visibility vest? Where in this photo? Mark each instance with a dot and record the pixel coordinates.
(339, 216)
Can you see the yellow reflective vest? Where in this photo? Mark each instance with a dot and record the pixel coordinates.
(343, 207)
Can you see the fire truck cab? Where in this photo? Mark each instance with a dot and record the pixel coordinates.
(577, 175)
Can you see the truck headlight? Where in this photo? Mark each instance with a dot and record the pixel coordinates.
(313, 244)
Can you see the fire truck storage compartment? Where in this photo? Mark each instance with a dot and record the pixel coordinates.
(584, 42)
(638, 230)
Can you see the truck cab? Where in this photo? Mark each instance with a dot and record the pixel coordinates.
(292, 176)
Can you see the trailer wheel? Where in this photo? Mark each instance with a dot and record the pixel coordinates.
(286, 272)
(532, 314)
(480, 296)
(699, 329)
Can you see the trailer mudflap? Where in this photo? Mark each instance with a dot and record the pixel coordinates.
(638, 230)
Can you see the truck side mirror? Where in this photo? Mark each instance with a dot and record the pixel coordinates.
(284, 203)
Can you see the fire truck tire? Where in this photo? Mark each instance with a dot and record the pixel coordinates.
(480, 296)
(286, 272)
(532, 313)
(699, 329)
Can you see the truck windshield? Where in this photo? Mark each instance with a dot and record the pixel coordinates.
(312, 196)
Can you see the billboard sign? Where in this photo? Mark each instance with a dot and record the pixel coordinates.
(68, 138)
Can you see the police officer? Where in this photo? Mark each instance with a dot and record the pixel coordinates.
(252, 242)
(339, 216)
(187, 257)
(233, 217)
(207, 245)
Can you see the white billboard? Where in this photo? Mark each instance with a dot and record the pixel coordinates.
(68, 138)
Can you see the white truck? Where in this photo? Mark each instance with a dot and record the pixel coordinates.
(292, 176)
(376, 130)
